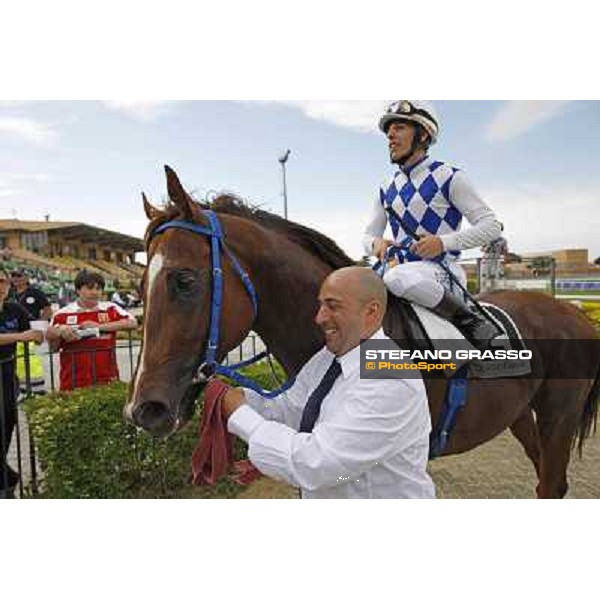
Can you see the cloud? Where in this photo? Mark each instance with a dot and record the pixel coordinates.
(28, 129)
(9, 192)
(142, 110)
(360, 115)
(519, 116)
(563, 217)
(517, 206)
(18, 184)
(345, 228)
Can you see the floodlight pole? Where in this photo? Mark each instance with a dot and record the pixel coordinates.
(283, 160)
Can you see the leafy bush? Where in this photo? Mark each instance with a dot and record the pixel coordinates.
(262, 374)
(592, 310)
(86, 450)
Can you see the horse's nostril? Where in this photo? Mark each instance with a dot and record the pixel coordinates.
(154, 417)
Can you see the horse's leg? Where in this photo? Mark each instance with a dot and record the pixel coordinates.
(556, 453)
(525, 430)
(558, 405)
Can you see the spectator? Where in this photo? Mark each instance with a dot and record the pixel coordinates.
(14, 327)
(118, 299)
(85, 331)
(62, 296)
(7, 253)
(133, 299)
(36, 303)
(29, 297)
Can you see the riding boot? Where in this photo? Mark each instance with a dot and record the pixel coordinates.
(476, 328)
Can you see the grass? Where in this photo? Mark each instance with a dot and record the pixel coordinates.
(577, 292)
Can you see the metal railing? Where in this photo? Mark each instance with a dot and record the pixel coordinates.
(16, 440)
(15, 437)
(495, 273)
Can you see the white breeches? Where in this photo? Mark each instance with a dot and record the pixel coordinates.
(423, 282)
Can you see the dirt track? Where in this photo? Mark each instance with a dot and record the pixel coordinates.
(498, 469)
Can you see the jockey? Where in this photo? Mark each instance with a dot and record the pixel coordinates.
(431, 198)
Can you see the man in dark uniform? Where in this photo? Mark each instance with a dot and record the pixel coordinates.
(35, 302)
(14, 327)
(31, 298)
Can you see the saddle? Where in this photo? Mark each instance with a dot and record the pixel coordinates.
(415, 328)
(427, 331)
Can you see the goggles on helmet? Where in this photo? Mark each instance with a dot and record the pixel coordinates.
(405, 108)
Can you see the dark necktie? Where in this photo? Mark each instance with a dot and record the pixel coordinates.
(313, 406)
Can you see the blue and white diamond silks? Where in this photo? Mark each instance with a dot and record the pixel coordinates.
(421, 196)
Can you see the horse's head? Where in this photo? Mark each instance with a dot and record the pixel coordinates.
(178, 294)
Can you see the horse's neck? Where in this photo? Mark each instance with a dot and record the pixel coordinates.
(287, 285)
(288, 303)
(287, 308)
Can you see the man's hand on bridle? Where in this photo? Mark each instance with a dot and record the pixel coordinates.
(233, 399)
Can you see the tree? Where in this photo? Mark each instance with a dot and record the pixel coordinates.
(363, 262)
(541, 265)
(511, 257)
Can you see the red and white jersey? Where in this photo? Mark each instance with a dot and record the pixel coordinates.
(92, 360)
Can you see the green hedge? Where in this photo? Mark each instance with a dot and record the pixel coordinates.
(592, 310)
(86, 450)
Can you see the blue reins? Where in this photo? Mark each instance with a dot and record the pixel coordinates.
(210, 366)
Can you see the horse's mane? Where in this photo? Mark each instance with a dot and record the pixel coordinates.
(312, 241)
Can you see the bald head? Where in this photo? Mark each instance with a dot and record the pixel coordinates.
(362, 283)
(352, 303)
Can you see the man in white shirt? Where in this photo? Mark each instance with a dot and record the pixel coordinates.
(333, 434)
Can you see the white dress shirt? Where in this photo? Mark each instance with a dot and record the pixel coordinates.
(371, 439)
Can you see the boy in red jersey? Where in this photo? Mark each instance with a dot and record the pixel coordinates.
(86, 331)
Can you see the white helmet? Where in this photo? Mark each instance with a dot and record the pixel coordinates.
(418, 111)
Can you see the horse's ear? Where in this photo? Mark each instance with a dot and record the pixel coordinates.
(178, 195)
(151, 211)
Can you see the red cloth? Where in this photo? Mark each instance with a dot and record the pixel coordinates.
(213, 456)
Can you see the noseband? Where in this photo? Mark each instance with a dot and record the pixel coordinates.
(209, 366)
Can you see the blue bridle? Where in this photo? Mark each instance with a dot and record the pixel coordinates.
(210, 366)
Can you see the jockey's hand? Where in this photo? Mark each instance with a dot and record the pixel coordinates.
(429, 246)
(380, 247)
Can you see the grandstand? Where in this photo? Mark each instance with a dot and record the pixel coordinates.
(53, 252)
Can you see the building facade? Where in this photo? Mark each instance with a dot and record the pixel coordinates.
(71, 246)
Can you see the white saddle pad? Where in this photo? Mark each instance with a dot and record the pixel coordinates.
(439, 329)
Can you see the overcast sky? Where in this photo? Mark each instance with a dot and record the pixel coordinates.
(534, 162)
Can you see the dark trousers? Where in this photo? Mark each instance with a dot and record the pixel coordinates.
(8, 419)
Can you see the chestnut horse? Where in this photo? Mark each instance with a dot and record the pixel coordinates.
(287, 263)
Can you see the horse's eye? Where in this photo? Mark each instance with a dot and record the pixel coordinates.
(184, 284)
(185, 280)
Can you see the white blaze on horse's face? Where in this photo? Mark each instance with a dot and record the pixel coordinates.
(154, 268)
